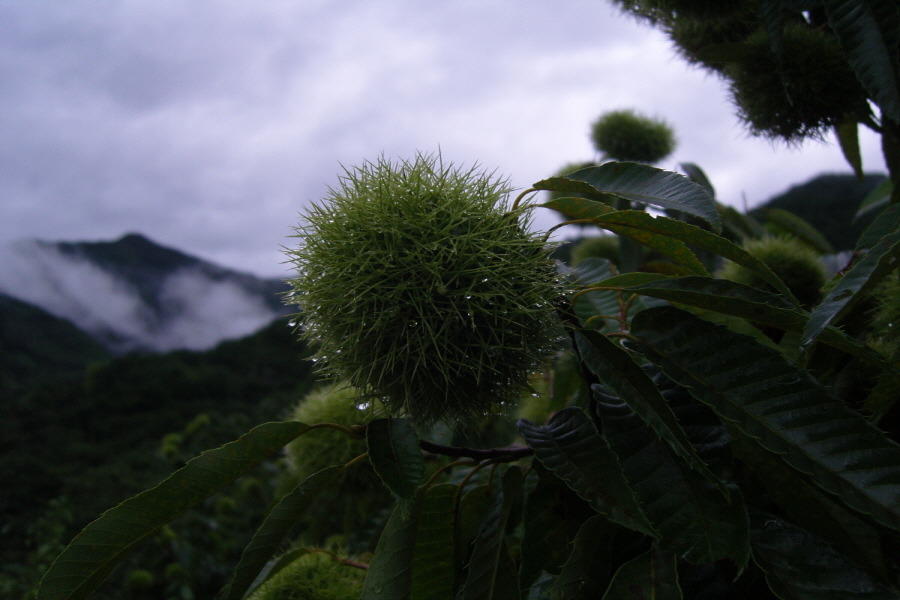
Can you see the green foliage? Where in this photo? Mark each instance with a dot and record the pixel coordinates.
(37, 347)
(792, 261)
(626, 135)
(886, 316)
(604, 246)
(313, 576)
(445, 308)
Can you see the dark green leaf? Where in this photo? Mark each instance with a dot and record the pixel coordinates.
(886, 223)
(667, 246)
(741, 226)
(691, 234)
(631, 279)
(92, 555)
(808, 507)
(489, 556)
(472, 508)
(590, 304)
(277, 524)
(644, 184)
(693, 518)
(799, 566)
(390, 571)
(578, 208)
(792, 224)
(848, 137)
(553, 516)
(616, 369)
(869, 33)
(771, 399)
(697, 175)
(395, 455)
(586, 574)
(570, 446)
(877, 198)
(651, 575)
(757, 306)
(878, 262)
(432, 565)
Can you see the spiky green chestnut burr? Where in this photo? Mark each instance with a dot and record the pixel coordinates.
(422, 287)
(312, 452)
(313, 576)
(626, 135)
(793, 261)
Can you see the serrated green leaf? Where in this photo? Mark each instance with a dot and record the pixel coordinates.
(395, 455)
(698, 176)
(586, 574)
(754, 305)
(592, 271)
(578, 208)
(644, 184)
(390, 572)
(877, 263)
(552, 517)
(886, 223)
(570, 446)
(627, 280)
(488, 556)
(877, 198)
(869, 33)
(691, 234)
(433, 563)
(883, 396)
(800, 566)
(741, 226)
(771, 399)
(848, 137)
(472, 508)
(650, 575)
(693, 518)
(94, 552)
(667, 246)
(617, 370)
(808, 507)
(275, 527)
(792, 224)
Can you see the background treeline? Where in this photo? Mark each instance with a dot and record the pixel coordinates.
(81, 432)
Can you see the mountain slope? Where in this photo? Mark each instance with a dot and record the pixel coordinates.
(36, 347)
(133, 294)
(828, 203)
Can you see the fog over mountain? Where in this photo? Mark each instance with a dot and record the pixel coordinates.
(133, 294)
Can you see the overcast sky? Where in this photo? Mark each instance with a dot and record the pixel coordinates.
(208, 125)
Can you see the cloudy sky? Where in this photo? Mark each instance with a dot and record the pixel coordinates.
(208, 125)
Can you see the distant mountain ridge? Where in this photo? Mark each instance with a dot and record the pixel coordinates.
(134, 294)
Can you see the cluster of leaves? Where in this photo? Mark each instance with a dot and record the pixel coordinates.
(691, 452)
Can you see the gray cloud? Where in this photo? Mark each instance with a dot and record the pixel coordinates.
(207, 126)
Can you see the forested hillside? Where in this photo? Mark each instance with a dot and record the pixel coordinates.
(91, 436)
